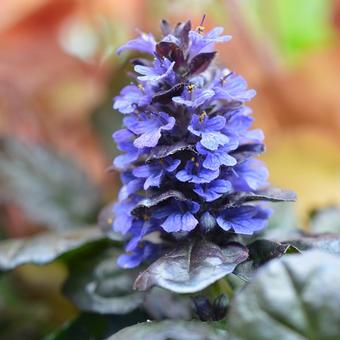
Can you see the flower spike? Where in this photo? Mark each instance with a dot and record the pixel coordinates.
(189, 153)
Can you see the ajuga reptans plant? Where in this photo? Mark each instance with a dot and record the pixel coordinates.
(189, 167)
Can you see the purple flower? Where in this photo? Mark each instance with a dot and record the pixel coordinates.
(194, 172)
(145, 43)
(215, 159)
(131, 185)
(250, 175)
(209, 130)
(125, 142)
(144, 252)
(148, 127)
(203, 43)
(178, 216)
(231, 88)
(154, 172)
(213, 190)
(245, 219)
(123, 212)
(193, 97)
(188, 147)
(131, 97)
(138, 230)
(161, 69)
(238, 123)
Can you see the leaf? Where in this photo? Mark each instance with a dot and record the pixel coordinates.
(167, 150)
(326, 242)
(162, 304)
(192, 267)
(95, 326)
(100, 286)
(294, 297)
(270, 194)
(45, 247)
(50, 189)
(164, 97)
(325, 220)
(200, 62)
(172, 52)
(260, 252)
(155, 200)
(174, 330)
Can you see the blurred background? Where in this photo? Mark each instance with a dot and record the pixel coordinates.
(59, 73)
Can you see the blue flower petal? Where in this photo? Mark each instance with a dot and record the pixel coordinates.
(145, 43)
(244, 220)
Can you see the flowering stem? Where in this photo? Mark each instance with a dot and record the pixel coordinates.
(225, 287)
(220, 287)
(185, 129)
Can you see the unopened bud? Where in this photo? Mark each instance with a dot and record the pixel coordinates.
(203, 308)
(207, 222)
(220, 307)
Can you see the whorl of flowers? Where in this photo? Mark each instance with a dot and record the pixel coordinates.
(188, 151)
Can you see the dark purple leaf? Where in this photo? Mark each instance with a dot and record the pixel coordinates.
(260, 252)
(270, 194)
(167, 150)
(165, 97)
(201, 62)
(172, 52)
(155, 200)
(192, 267)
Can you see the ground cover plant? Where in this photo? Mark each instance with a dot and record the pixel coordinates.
(194, 247)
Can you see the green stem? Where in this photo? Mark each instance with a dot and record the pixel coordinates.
(220, 287)
(225, 287)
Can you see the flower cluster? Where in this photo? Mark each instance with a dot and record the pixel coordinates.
(188, 151)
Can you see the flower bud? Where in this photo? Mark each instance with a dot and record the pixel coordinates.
(203, 308)
(207, 222)
(220, 307)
